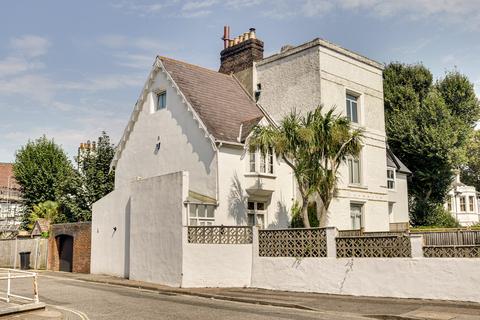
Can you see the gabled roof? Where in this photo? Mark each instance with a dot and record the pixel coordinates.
(219, 102)
(394, 162)
(41, 225)
(217, 98)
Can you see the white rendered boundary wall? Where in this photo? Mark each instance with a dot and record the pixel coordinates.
(227, 265)
(139, 232)
(216, 265)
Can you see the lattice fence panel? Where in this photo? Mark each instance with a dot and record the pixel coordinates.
(373, 247)
(451, 251)
(219, 235)
(293, 243)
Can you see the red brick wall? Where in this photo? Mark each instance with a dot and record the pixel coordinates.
(81, 233)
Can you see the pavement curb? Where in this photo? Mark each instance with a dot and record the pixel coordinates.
(22, 308)
(205, 295)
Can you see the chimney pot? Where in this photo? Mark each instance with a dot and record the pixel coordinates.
(240, 54)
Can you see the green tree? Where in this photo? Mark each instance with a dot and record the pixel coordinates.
(459, 95)
(470, 173)
(334, 141)
(427, 128)
(94, 168)
(39, 167)
(313, 146)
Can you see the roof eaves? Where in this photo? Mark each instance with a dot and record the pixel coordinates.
(326, 44)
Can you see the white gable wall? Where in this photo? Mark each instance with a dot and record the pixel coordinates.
(183, 145)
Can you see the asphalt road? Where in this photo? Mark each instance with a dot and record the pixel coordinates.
(84, 300)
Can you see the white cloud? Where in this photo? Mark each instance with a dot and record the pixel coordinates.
(461, 12)
(105, 82)
(30, 45)
(15, 65)
(197, 5)
(138, 53)
(115, 41)
(137, 61)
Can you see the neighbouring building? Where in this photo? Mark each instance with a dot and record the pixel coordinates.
(10, 198)
(462, 202)
(183, 159)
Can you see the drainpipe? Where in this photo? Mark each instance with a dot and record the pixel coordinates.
(218, 174)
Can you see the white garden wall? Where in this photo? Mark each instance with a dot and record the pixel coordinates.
(216, 265)
(436, 278)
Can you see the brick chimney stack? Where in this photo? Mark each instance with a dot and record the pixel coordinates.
(241, 52)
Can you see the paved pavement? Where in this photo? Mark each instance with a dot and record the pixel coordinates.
(76, 296)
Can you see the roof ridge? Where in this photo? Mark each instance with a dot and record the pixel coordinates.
(193, 65)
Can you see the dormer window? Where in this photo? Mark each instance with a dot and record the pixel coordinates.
(161, 100)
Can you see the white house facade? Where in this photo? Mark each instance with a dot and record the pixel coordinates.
(462, 203)
(196, 120)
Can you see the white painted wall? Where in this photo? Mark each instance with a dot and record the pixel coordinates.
(399, 197)
(436, 278)
(158, 214)
(216, 265)
(110, 249)
(235, 180)
(183, 145)
(289, 82)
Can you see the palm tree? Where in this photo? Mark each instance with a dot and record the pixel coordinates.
(313, 146)
(48, 210)
(334, 142)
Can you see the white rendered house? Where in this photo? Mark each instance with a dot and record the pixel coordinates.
(197, 120)
(462, 203)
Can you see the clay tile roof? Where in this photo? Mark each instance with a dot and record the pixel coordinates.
(217, 98)
(6, 172)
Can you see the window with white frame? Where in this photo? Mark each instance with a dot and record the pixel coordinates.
(449, 203)
(261, 162)
(356, 213)
(161, 100)
(352, 107)
(201, 214)
(256, 213)
(391, 178)
(354, 170)
(463, 206)
(471, 203)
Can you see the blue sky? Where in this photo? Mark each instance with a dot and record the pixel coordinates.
(70, 69)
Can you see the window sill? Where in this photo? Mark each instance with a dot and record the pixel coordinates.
(260, 175)
(357, 186)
